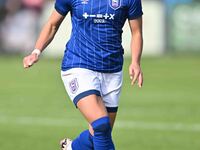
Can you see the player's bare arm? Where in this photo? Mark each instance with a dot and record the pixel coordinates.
(46, 36)
(136, 51)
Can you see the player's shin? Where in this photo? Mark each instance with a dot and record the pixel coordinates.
(83, 141)
(102, 134)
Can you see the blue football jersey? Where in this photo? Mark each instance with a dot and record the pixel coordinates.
(96, 37)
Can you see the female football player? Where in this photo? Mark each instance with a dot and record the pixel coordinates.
(92, 63)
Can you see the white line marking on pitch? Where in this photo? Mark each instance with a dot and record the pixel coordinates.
(122, 124)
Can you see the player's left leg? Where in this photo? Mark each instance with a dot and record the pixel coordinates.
(111, 90)
(112, 116)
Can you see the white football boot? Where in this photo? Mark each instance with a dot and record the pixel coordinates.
(65, 144)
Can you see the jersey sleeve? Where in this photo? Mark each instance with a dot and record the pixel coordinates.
(135, 9)
(63, 6)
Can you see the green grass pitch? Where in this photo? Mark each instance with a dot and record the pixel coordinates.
(35, 112)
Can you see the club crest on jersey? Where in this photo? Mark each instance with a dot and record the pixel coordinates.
(84, 2)
(115, 4)
(73, 85)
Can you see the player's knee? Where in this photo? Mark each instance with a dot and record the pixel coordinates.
(102, 134)
(102, 127)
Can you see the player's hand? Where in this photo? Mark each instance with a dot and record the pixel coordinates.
(136, 75)
(30, 60)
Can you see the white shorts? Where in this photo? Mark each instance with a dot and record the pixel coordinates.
(80, 83)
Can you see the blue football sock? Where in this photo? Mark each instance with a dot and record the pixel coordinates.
(83, 141)
(102, 139)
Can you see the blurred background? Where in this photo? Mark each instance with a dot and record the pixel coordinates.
(169, 26)
(35, 111)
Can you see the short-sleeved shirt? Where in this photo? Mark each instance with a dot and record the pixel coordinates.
(96, 37)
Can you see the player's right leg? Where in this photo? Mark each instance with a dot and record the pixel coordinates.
(112, 117)
(83, 87)
(93, 109)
